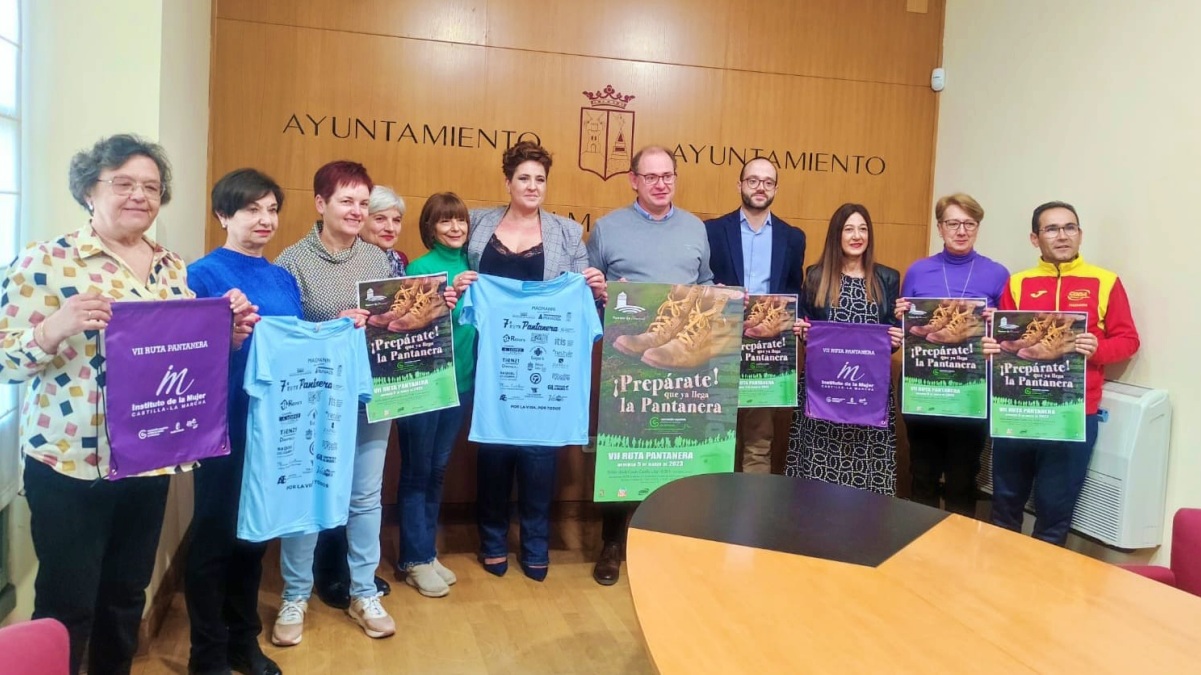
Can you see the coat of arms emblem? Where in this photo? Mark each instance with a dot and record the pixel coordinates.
(606, 132)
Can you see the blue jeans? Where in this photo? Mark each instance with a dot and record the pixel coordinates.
(362, 524)
(425, 444)
(1055, 470)
(535, 470)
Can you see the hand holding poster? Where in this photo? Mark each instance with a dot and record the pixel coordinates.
(847, 368)
(669, 386)
(769, 353)
(166, 383)
(1038, 378)
(410, 346)
(943, 369)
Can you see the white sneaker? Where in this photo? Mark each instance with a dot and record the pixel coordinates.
(427, 581)
(447, 576)
(289, 623)
(372, 617)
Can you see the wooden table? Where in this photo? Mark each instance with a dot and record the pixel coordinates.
(750, 573)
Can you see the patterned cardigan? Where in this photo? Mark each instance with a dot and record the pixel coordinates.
(562, 241)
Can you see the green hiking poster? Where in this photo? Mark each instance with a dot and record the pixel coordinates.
(1038, 378)
(410, 346)
(943, 369)
(668, 386)
(769, 353)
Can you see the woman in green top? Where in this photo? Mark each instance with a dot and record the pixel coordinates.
(426, 439)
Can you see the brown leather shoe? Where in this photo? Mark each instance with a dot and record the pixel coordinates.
(1058, 340)
(608, 567)
(964, 324)
(669, 320)
(938, 321)
(706, 335)
(427, 306)
(1034, 333)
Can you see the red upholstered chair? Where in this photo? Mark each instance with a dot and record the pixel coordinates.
(35, 648)
(1185, 572)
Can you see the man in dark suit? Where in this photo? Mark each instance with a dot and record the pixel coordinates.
(752, 248)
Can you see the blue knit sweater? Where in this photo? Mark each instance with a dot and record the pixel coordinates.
(270, 287)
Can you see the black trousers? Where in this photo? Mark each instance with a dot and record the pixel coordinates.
(221, 585)
(95, 541)
(948, 449)
(615, 521)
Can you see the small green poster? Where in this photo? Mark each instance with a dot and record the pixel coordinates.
(410, 345)
(668, 386)
(1038, 378)
(769, 353)
(943, 369)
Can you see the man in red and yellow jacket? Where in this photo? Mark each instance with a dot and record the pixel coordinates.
(1062, 281)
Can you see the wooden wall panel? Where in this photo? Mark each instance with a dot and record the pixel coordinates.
(463, 21)
(865, 40)
(691, 32)
(424, 117)
(860, 40)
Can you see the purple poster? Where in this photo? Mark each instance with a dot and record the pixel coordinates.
(847, 371)
(166, 383)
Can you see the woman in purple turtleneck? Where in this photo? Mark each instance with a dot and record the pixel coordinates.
(950, 448)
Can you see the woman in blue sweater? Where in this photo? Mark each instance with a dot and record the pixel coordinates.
(223, 572)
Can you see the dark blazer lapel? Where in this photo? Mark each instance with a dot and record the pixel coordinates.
(779, 253)
(734, 237)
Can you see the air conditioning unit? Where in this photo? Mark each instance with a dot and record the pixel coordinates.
(1123, 499)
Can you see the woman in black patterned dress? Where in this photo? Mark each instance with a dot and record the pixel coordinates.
(848, 286)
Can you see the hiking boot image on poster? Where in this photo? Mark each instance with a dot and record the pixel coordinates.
(427, 306)
(1034, 333)
(1057, 340)
(775, 320)
(401, 303)
(963, 324)
(705, 335)
(672, 316)
(758, 311)
(942, 316)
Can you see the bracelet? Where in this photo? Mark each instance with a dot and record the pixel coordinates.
(39, 337)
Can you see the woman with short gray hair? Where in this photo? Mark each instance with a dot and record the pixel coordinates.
(385, 213)
(95, 539)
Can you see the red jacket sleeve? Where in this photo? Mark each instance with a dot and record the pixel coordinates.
(1120, 339)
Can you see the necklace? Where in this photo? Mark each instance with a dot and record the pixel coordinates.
(947, 284)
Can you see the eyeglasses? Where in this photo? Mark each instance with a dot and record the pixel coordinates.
(754, 183)
(123, 187)
(652, 178)
(967, 225)
(1052, 231)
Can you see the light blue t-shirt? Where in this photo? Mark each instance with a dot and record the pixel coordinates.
(533, 371)
(305, 382)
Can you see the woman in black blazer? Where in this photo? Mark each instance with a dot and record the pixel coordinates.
(848, 286)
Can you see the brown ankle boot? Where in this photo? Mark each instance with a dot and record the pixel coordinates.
(942, 316)
(758, 311)
(427, 306)
(672, 316)
(706, 334)
(401, 302)
(1034, 332)
(776, 320)
(964, 324)
(1059, 339)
